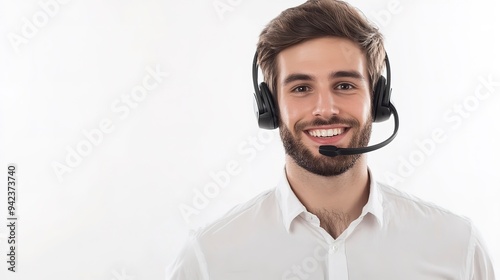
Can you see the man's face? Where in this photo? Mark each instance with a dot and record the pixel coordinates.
(324, 99)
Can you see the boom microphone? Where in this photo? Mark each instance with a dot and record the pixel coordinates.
(332, 151)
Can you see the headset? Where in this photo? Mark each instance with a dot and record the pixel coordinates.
(382, 108)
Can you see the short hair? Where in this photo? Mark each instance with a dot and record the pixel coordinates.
(315, 19)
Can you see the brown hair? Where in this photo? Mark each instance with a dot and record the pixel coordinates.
(314, 19)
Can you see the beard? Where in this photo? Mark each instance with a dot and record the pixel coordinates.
(323, 165)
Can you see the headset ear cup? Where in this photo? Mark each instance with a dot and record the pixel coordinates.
(381, 110)
(258, 104)
(267, 114)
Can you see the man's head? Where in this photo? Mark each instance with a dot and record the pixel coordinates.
(321, 61)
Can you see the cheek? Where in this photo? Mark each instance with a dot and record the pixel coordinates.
(360, 110)
(366, 110)
(290, 111)
(284, 114)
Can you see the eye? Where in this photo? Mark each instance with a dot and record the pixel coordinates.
(344, 86)
(301, 89)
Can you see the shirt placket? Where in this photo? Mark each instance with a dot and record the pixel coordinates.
(337, 261)
(336, 257)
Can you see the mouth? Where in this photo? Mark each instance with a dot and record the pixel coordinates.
(327, 136)
(322, 133)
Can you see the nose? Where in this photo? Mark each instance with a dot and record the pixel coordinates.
(326, 105)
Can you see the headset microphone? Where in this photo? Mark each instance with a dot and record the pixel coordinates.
(333, 151)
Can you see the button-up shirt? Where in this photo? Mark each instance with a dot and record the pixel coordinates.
(273, 236)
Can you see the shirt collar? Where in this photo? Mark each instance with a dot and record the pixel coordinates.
(291, 207)
(375, 200)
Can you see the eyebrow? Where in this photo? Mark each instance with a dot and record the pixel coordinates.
(347, 74)
(334, 75)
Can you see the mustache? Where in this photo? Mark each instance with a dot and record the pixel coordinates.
(334, 120)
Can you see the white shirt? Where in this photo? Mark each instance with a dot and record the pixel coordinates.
(396, 237)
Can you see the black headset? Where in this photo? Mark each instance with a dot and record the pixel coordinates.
(267, 112)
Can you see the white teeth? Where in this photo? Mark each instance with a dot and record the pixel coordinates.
(326, 132)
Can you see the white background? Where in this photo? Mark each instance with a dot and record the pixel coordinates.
(116, 214)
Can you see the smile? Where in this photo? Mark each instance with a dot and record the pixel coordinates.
(322, 133)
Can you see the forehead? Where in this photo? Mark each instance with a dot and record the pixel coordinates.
(321, 56)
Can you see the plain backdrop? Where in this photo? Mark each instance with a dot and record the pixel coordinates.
(131, 122)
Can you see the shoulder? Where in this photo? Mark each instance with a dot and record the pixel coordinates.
(220, 237)
(445, 230)
(248, 227)
(393, 197)
(409, 209)
(431, 229)
(243, 216)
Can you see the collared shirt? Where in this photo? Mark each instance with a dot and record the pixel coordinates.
(396, 237)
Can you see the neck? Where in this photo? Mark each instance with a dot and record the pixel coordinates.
(335, 200)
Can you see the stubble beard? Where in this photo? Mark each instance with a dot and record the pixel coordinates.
(323, 165)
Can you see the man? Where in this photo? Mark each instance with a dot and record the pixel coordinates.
(328, 218)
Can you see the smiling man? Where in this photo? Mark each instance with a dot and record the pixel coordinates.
(328, 218)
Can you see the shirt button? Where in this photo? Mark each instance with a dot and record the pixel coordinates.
(334, 248)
